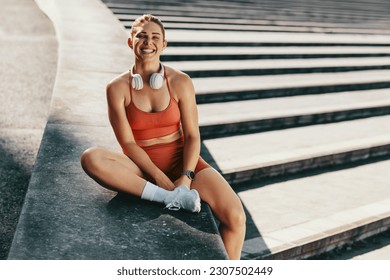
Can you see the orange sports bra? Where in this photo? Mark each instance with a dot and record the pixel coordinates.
(147, 125)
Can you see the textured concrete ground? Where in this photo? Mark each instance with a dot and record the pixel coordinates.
(28, 51)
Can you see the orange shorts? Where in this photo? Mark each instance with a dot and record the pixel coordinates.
(169, 158)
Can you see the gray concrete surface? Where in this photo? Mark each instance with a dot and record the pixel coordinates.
(308, 209)
(274, 37)
(68, 216)
(28, 51)
(260, 115)
(303, 143)
(238, 65)
(288, 82)
(277, 12)
(272, 50)
(319, 26)
(249, 110)
(270, 28)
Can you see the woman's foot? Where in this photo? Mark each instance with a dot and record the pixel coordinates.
(183, 198)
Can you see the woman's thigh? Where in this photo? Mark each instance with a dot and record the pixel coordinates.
(113, 170)
(96, 156)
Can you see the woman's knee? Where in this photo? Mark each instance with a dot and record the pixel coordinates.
(235, 217)
(91, 157)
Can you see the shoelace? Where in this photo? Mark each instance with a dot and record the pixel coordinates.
(174, 206)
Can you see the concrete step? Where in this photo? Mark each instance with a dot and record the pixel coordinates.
(241, 53)
(246, 158)
(67, 216)
(307, 216)
(251, 11)
(252, 116)
(264, 28)
(381, 250)
(198, 44)
(234, 38)
(257, 67)
(224, 89)
(219, 19)
(376, 247)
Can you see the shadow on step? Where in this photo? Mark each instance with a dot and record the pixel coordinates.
(125, 206)
(307, 173)
(13, 187)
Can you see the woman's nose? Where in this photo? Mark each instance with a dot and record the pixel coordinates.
(147, 41)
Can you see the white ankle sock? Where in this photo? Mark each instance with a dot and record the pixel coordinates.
(153, 192)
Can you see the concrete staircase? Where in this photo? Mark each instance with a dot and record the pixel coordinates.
(294, 104)
(294, 112)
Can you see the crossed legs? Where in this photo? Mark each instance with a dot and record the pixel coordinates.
(117, 172)
(113, 170)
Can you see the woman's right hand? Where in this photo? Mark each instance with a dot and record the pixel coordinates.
(163, 181)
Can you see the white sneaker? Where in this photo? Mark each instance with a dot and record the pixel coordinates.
(183, 198)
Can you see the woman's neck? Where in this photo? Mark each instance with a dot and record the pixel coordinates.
(145, 69)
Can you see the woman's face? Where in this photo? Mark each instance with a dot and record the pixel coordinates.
(147, 41)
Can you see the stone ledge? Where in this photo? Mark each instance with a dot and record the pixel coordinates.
(245, 117)
(207, 86)
(308, 148)
(320, 235)
(66, 215)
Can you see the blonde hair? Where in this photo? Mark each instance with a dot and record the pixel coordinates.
(147, 18)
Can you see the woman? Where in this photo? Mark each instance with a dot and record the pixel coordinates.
(153, 113)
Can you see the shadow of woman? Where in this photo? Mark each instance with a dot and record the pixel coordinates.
(153, 232)
(125, 206)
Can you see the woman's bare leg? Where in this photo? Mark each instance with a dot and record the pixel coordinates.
(113, 170)
(117, 172)
(226, 206)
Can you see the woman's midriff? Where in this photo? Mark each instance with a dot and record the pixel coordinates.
(160, 140)
(168, 157)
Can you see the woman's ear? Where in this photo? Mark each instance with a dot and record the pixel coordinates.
(165, 44)
(130, 43)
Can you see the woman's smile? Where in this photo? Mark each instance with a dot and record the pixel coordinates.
(148, 50)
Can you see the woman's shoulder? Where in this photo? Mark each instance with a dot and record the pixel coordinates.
(118, 87)
(179, 81)
(119, 82)
(176, 75)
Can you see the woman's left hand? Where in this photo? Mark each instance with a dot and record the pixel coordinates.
(183, 180)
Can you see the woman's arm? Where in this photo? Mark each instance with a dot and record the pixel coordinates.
(116, 98)
(185, 92)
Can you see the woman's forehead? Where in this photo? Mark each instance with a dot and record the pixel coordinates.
(148, 27)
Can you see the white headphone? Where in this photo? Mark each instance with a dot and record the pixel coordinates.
(156, 79)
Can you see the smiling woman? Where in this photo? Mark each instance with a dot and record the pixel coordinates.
(153, 113)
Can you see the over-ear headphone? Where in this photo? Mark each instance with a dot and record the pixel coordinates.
(156, 79)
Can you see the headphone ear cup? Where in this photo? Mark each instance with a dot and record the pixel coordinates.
(156, 81)
(137, 82)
